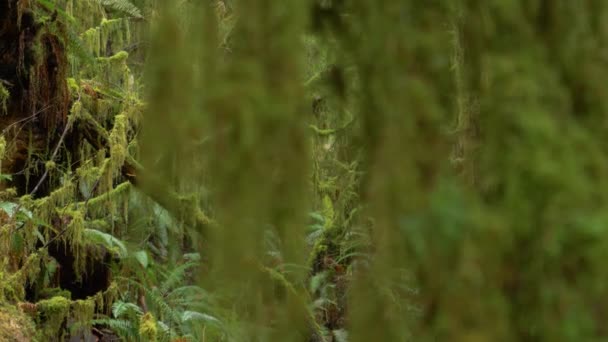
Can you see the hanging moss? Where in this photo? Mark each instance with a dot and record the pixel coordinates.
(82, 312)
(113, 33)
(12, 287)
(47, 206)
(4, 97)
(2, 153)
(75, 236)
(118, 144)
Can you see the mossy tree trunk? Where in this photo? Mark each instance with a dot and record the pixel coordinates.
(35, 98)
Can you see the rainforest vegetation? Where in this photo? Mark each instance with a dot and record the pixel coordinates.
(303, 170)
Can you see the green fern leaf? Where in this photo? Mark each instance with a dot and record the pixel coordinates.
(176, 276)
(125, 329)
(142, 258)
(120, 309)
(122, 5)
(107, 240)
(198, 316)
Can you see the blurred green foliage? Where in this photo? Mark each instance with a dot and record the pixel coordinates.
(329, 170)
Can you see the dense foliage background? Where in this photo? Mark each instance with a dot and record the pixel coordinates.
(303, 170)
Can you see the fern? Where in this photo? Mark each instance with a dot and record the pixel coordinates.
(201, 317)
(125, 329)
(165, 310)
(122, 5)
(176, 276)
(51, 6)
(189, 296)
(129, 310)
(107, 240)
(167, 333)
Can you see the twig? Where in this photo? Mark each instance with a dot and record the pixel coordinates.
(53, 156)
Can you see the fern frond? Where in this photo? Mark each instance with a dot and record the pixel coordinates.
(200, 317)
(125, 6)
(125, 329)
(167, 333)
(94, 236)
(51, 7)
(176, 276)
(188, 294)
(159, 302)
(120, 309)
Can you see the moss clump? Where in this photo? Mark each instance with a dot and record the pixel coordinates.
(50, 165)
(55, 292)
(15, 325)
(73, 85)
(51, 314)
(148, 328)
(119, 57)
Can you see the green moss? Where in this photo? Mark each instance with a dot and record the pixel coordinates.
(320, 248)
(328, 212)
(119, 57)
(73, 85)
(75, 234)
(15, 325)
(55, 292)
(118, 143)
(148, 328)
(2, 150)
(82, 313)
(46, 207)
(51, 315)
(12, 285)
(115, 30)
(50, 165)
(4, 97)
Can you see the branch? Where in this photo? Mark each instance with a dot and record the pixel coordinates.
(52, 160)
(179, 206)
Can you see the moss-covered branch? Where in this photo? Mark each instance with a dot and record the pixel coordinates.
(182, 207)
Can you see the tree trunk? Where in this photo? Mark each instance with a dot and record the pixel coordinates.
(36, 101)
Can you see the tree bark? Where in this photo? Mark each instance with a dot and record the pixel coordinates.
(33, 67)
